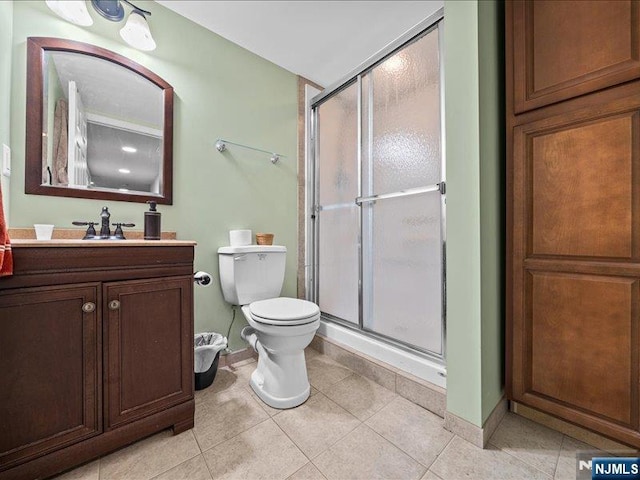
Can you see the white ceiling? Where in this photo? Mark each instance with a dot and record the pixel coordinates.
(320, 40)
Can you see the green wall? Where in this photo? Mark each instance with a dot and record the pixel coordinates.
(221, 90)
(6, 29)
(492, 195)
(475, 159)
(225, 91)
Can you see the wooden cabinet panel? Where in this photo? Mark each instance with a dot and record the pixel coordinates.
(562, 49)
(584, 183)
(50, 386)
(575, 253)
(149, 346)
(582, 338)
(573, 211)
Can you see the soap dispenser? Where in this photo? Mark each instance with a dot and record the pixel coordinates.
(152, 222)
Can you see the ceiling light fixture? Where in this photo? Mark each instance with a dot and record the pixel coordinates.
(124, 170)
(135, 32)
(74, 11)
(129, 149)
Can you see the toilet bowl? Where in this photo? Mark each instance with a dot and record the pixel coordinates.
(279, 328)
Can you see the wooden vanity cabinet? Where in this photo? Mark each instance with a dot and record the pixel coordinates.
(96, 352)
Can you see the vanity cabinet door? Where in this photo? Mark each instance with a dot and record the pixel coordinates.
(148, 349)
(50, 369)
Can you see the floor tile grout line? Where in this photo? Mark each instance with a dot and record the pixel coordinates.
(400, 449)
(445, 447)
(524, 461)
(398, 446)
(375, 411)
(555, 471)
(239, 433)
(318, 468)
(177, 465)
(292, 441)
(340, 438)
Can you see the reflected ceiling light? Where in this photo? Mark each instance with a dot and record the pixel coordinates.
(124, 170)
(129, 149)
(123, 189)
(74, 11)
(395, 64)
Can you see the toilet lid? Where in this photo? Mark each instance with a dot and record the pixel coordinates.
(284, 311)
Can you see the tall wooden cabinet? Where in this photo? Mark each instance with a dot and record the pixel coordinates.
(573, 211)
(96, 350)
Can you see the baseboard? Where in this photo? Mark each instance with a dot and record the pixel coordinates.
(573, 431)
(478, 436)
(237, 356)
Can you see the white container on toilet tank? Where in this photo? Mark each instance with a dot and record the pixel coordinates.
(279, 328)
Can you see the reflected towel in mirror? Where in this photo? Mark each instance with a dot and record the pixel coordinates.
(6, 257)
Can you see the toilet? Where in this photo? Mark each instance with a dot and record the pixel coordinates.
(279, 329)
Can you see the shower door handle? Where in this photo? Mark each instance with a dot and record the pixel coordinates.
(437, 187)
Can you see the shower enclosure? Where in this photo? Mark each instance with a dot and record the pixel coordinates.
(377, 219)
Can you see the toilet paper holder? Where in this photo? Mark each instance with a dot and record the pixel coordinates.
(202, 278)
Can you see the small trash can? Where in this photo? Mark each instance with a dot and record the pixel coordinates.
(207, 353)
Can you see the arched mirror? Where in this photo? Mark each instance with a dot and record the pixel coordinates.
(98, 125)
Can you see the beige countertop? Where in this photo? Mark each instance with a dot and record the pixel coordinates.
(18, 243)
(72, 237)
(77, 234)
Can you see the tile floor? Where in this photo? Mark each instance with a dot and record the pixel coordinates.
(350, 428)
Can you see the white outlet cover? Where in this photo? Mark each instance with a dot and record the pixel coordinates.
(6, 160)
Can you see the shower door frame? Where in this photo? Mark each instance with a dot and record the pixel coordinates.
(434, 21)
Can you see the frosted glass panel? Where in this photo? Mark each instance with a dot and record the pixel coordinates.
(338, 263)
(338, 219)
(397, 240)
(403, 276)
(338, 147)
(401, 138)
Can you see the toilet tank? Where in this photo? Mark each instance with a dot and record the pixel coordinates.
(252, 272)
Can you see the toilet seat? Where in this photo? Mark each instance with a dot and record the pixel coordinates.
(284, 311)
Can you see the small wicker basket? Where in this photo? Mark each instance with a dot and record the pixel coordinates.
(264, 238)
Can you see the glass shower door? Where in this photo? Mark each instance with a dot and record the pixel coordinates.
(401, 203)
(379, 185)
(338, 222)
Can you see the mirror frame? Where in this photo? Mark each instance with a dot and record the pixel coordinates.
(36, 48)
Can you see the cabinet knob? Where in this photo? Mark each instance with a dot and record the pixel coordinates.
(114, 305)
(88, 307)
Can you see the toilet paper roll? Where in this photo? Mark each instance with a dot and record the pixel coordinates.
(238, 238)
